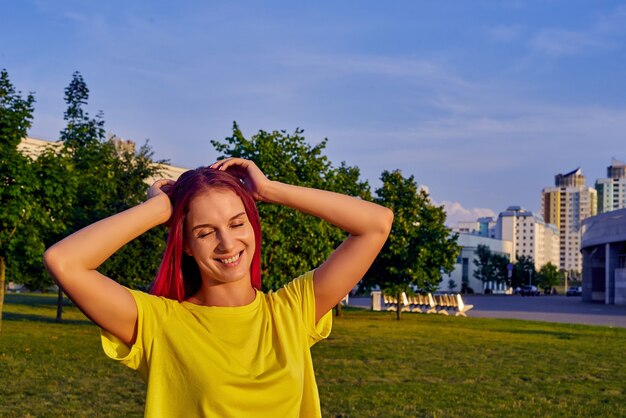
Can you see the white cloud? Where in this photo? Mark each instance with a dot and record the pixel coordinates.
(456, 213)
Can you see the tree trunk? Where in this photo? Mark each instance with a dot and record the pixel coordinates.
(60, 305)
(338, 310)
(399, 306)
(2, 288)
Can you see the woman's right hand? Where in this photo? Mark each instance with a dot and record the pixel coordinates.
(162, 186)
(75, 260)
(160, 190)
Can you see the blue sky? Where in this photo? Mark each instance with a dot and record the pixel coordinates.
(482, 101)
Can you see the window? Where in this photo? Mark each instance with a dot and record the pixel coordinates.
(465, 270)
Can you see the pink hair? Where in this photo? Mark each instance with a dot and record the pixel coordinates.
(179, 276)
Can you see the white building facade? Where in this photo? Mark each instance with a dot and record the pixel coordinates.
(484, 227)
(464, 267)
(566, 205)
(33, 147)
(530, 236)
(612, 189)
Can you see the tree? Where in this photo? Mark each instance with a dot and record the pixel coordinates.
(56, 188)
(420, 248)
(293, 242)
(18, 229)
(484, 270)
(548, 277)
(491, 266)
(524, 271)
(110, 177)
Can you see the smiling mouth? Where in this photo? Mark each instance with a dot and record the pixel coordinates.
(231, 259)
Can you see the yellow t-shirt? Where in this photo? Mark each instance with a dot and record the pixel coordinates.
(244, 361)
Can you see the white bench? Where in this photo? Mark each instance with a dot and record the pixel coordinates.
(447, 304)
(391, 303)
(443, 304)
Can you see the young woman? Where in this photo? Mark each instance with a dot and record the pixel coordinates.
(207, 341)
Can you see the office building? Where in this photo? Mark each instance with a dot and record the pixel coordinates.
(612, 189)
(530, 236)
(566, 205)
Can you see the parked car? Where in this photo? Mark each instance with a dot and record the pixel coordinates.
(530, 291)
(575, 291)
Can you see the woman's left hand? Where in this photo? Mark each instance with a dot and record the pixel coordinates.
(253, 178)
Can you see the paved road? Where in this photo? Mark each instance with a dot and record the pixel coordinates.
(539, 308)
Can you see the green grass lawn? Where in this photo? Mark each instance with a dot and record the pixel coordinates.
(371, 366)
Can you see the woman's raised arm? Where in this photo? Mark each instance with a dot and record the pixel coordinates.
(367, 223)
(74, 260)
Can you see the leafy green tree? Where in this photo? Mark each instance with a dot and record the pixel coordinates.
(501, 264)
(56, 185)
(293, 242)
(18, 214)
(484, 270)
(420, 249)
(524, 272)
(110, 177)
(549, 276)
(491, 266)
(135, 264)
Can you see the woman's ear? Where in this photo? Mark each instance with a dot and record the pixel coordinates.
(187, 250)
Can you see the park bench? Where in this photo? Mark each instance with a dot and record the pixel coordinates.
(447, 304)
(391, 303)
(461, 307)
(443, 304)
(424, 302)
(419, 303)
(452, 303)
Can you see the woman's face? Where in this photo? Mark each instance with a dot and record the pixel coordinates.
(219, 236)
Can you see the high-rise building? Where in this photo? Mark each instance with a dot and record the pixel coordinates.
(530, 236)
(566, 205)
(612, 190)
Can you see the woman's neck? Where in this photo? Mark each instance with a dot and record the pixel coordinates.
(224, 294)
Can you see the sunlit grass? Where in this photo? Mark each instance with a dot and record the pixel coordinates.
(429, 365)
(372, 365)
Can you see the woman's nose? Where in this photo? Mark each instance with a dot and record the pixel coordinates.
(226, 241)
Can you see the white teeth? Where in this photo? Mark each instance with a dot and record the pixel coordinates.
(230, 260)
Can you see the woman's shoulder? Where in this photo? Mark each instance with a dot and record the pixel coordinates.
(148, 302)
(297, 286)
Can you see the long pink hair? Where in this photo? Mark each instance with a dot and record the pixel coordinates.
(179, 276)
